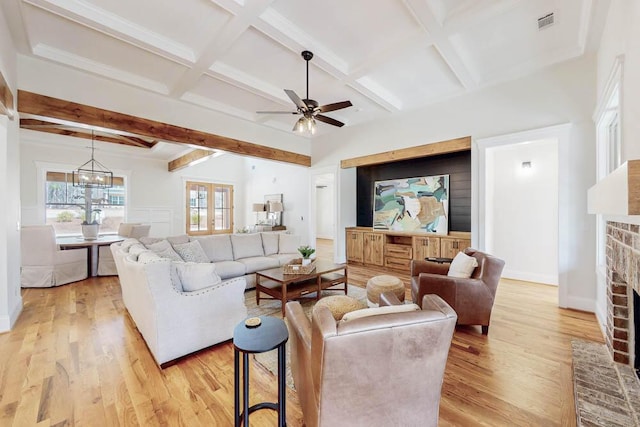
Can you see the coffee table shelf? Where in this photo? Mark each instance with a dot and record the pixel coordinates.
(285, 287)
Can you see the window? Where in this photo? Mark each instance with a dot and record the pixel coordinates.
(65, 204)
(209, 208)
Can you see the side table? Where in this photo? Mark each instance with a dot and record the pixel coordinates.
(271, 334)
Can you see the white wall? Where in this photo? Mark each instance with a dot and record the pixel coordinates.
(564, 93)
(522, 209)
(621, 36)
(156, 196)
(10, 298)
(264, 177)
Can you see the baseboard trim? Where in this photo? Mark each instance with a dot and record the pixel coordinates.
(547, 279)
(582, 304)
(7, 321)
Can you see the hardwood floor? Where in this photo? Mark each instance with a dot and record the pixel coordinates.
(75, 358)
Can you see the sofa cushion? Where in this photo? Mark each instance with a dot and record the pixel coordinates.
(164, 249)
(176, 240)
(462, 266)
(191, 252)
(246, 245)
(230, 269)
(148, 256)
(270, 243)
(217, 248)
(150, 240)
(284, 258)
(258, 263)
(288, 244)
(195, 276)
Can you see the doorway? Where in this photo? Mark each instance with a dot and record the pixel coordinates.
(520, 203)
(324, 214)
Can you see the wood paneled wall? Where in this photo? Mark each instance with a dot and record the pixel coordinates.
(456, 165)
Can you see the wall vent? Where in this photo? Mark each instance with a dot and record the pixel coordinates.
(545, 21)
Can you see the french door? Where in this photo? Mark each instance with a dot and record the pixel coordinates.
(209, 208)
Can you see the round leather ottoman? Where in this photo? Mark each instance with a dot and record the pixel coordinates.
(385, 283)
(339, 305)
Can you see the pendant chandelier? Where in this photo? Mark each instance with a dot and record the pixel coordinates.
(92, 174)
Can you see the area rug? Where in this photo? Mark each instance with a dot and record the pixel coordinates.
(269, 360)
(606, 393)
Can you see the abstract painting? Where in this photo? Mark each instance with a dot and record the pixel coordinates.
(412, 204)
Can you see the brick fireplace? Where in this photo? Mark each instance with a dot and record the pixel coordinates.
(623, 277)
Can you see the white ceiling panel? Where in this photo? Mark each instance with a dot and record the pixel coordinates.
(510, 41)
(417, 75)
(189, 22)
(354, 30)
(387, 57)
(237, 98)
(56, 38)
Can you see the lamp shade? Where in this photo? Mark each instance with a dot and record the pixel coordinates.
(275, 207)
(258, 207)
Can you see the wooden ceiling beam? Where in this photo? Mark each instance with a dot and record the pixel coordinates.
(45, 106)
(189, 159)
(6, 98)
(426, 150)
(68, 130)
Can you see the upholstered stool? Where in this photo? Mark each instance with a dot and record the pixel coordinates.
(385, 283)
(339, 305)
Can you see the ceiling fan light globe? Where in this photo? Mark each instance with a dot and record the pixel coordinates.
(300, 125)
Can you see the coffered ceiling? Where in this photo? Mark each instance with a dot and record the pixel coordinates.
(237, 56)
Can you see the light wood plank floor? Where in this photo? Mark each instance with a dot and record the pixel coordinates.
(75, 358)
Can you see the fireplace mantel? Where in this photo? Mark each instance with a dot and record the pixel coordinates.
(618, 194)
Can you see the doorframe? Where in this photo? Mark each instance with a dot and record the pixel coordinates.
(315, 172)
(479, 147)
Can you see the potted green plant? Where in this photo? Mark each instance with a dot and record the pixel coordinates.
(90, 225)
(306, 252)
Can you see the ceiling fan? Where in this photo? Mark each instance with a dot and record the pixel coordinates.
(309, 108)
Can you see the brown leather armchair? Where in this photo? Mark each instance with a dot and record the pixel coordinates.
(381, 370)
(471, 298)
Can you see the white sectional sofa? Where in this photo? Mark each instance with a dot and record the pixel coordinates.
(181, 306)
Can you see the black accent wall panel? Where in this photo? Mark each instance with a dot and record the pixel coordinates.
(456, 165)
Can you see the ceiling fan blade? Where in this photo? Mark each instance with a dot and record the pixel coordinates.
(334, 106)
(277, 112)
(296, 99)
(329, 120)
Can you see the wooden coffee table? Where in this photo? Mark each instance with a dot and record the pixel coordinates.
(285, 287)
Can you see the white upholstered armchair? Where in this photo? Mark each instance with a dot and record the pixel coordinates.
(44, 264)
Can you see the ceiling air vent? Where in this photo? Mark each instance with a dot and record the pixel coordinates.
(545, 21)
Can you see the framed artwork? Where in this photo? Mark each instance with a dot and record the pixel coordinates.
(412, 204)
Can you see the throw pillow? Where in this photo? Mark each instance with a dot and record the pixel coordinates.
(288, 244)
(462, 266)
(127, 243)
(164, 250)
(137, 249)
(196, 276)
(191, 252)
(374, 311)
(246, 245)
(150, 240)
(158, 246)
(270, 243)
(148, 256)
